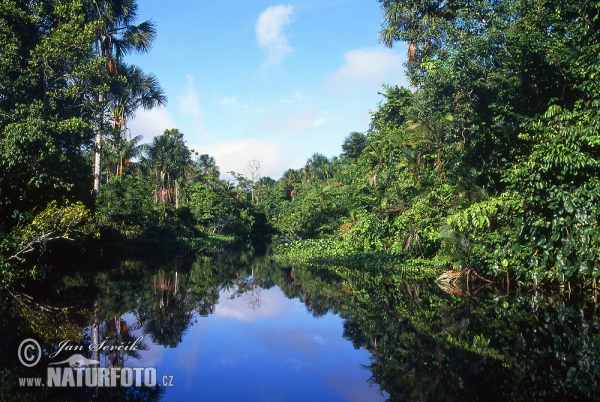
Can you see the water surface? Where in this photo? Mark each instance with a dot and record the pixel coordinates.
(272, 349)
(237, 326)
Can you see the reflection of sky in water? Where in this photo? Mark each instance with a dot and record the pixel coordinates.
(276, 352)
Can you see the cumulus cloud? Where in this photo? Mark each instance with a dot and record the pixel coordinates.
(189, 105)
(234, 155)
(269, 33)
(364, 70)
(298, 120)
(151, 123)
(189, 102)
(233, 104)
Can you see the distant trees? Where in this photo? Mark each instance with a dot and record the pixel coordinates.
(354, 144)
(167, 159)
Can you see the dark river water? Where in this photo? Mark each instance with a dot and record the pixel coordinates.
(235, 326)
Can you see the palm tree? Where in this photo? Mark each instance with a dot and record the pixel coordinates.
(414, 22)
(316, 167)
(129, 150)
(288, 182)
(116, 35)
(206, 167)
(167, 158)
(136, 89)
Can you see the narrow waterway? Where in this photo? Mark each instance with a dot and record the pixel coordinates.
(238, 326)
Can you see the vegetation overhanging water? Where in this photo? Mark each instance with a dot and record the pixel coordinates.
(483, 177)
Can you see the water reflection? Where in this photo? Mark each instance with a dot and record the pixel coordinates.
(238, 326)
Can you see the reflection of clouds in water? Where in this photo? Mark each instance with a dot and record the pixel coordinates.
(319, 339)
(350, 384)
(243, 341)
(273, 304)
(233, 357)
(188, 357)
(305, 349)
(151, 357)
(283, 342)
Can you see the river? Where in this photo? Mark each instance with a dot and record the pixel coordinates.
(235, 325)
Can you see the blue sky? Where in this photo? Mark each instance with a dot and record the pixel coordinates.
(267, 81)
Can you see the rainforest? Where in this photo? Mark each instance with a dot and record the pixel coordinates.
(457, 237)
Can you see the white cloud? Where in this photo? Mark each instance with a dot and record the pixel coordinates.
(234, 155)
(365, 70)
(280, 121)
(269, 33)
(151, 123)
(233, 104)
(189, 103)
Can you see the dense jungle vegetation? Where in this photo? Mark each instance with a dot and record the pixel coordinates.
(489, 163)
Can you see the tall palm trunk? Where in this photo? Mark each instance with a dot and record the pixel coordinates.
(95, 333)
(97, 151)
(116, 36)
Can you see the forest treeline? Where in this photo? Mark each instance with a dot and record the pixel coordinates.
(489, 162)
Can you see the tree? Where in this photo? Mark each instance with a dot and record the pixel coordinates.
(115, 36)
(353, 144)
(254, 175)
(317, 167)
(207, 167)
(167, 159)
(465, 56)
(290, 179)
(133, 89)
(46, 87)
(504, 102)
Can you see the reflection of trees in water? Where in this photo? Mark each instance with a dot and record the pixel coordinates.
(164, 285)
(242, 273)
(49, 321)
(248, 289)
(426, 344)
(164, 301)
(167, 312)
(316, 304)
(117, 332)
(14, 328)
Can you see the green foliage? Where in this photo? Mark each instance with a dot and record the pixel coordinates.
(218, 210)
(25, 242)
(491, 163)
(315, 210)
(354, 144)
(125, 204)
(167, 161)
(477, 216)
(46, 76)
